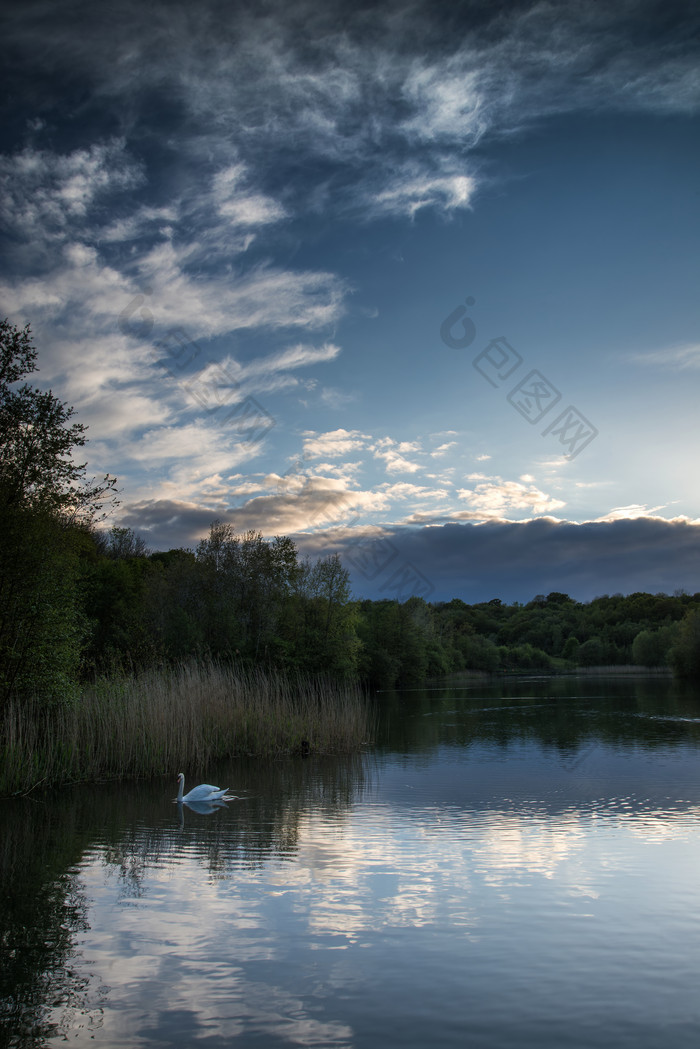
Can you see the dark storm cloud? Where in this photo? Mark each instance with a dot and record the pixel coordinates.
(167, 524)
(515, 561)
(512, 561)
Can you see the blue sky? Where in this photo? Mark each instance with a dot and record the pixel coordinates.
(412, 282)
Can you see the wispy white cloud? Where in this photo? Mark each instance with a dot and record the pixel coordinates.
(240, 206)
(389, 84)
(674, 358)
(263, 296)
(631, 512)
(317, 504)
(269, 115)
(411, 190)
(298, 356)
(48, 195)
(143, 221)
(336, 399)
(447, 98)
(345, 470)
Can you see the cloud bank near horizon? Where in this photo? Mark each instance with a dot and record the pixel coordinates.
(508, 560)
(515, 561)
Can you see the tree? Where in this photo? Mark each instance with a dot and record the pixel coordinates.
(115, 604)
(124, 542)
(174, 605)
(379, 630)
(651, 648)
(592, 653)
(570, 650)
(40, 625)
(685, 654)
(37, 439)
(45, 505)
(246, 585)
(329, 639)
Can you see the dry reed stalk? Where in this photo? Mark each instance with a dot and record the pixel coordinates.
(187, 715)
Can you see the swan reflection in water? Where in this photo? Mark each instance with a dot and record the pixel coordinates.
(204, 808)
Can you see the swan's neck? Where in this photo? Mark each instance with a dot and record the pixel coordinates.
(182, 787)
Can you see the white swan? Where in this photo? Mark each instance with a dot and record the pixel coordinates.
(203, 792)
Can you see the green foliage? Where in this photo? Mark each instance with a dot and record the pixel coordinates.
(523, 657)
(571, 649)
(114, 600)
(124, 542)
(592, 653)
(40, 626)
(45, 503)
(548, 633)
(327, 618)
(685, 654)
(238, 598)
(37, 439)
(481, 653)
(651, 648)
(398, 642)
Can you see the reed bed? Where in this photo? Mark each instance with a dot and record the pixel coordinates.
(162, 721)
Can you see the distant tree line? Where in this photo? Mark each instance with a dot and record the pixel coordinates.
(108, 606)
(406, 643)
(243, 598)
(77, 600)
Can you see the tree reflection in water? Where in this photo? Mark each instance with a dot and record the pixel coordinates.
(44, 841)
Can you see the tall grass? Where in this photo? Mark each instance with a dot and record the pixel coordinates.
(164, 721)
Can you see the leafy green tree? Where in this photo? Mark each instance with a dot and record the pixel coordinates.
(37, 440)
(174, 605)
(651, 648)
(685, 655)
(379, 631)
(329, 638)
(45, 504)
(570, 650)
(557, 598)
(524, 657)
(124, 542)
(115, 600)
(592, 653)
(481, 654)
(41, 628)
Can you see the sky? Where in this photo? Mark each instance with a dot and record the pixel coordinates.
(412, 282)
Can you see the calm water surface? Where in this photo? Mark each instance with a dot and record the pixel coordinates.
(511, 865)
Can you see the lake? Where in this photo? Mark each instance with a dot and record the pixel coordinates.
(513, 863)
